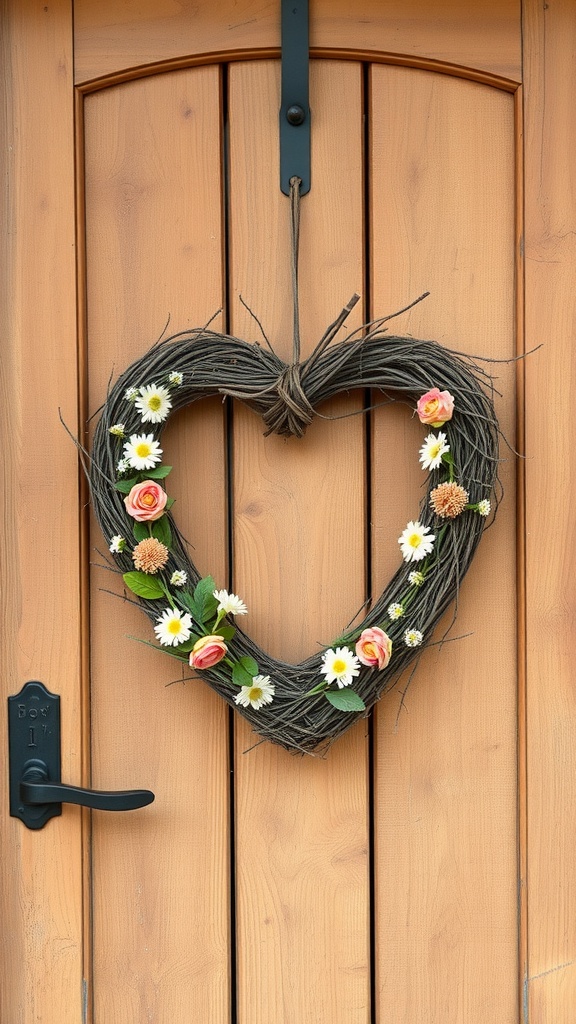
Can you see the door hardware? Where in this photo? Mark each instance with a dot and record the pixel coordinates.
(295, 107)
(36, 792)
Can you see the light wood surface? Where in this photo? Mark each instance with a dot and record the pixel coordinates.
(160, 875)
(299, 531)
(41, 872)
(445, 767)
(550, 983)
(398, 852)
(111, 38)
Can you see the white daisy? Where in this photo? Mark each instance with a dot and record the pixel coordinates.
(484, 507)
(415, 578)
(414, 542)
(173, 627)
(259, 693)
(432, 450)
(131, 394)
(117, 429)
(413, 638)
(395, 611)
(153, 403)
(178, 578)
(229, 604)
(142, 451)
(175, 378)
(340, 666)
(117, 544)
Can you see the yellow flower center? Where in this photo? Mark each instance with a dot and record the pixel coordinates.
(338, 665)
(414, 540)
(173, 626)
(142, 450)
(154, 402)
(255, 693)
(370, 649)
(147, 499)
(435, 449)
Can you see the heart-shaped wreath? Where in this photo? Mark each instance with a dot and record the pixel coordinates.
(303, 707)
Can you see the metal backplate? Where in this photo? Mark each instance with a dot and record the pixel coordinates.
(34, 735)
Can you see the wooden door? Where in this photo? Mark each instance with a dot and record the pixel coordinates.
(423, 871)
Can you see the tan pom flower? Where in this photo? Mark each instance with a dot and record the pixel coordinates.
(150, 555)
(448, 500)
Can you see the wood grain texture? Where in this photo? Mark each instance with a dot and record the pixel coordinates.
(41, 878)
(154, 250)
(550, 155)
(111, 37)
(442, 187)
(299, 539)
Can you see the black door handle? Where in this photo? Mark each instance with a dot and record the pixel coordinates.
(35, 789)
(36, 792)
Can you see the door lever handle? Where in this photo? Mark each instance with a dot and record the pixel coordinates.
(36, 792)
(35, 789)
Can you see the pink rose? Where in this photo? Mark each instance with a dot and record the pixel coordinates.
(435, 407)
(374, 647)
(146, 501)
(207, 651)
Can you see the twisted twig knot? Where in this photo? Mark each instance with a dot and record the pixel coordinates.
(291, 413)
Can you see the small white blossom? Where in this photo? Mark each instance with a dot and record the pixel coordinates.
(178, 578)
(415, 578)
(395, 611)
(142, 451)
(415, 543)
(431, 452)
(117, 544)
(340, 666)
(413, 638)
(484, 507)
(229, 604)
(131, 394)
(259, 693)
(117, 429)
(175, 378)
(123, 466)
(173, 627)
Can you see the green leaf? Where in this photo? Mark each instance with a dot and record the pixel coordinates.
(125, 486)
(240, 677)
(227, 632)
(345, 700)
(158, 473)
(204, 599)
(250, 665)
(161, 531)
(143, 585)
(140, 531)
(169, 503)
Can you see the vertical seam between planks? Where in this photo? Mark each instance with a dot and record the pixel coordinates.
(228, 430)
(368, 440)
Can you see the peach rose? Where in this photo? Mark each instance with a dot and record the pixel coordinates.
(146, 501)
(374, 647)
(435, 407)
(207, 651)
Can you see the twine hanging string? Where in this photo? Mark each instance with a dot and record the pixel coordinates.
(293, 412)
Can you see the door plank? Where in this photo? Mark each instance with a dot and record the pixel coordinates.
(41, 880)
(110, 39)
(299, 537)
(154, 229)
(550, 985)
(442, 179)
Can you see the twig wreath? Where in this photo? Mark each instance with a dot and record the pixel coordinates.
(302, 707)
